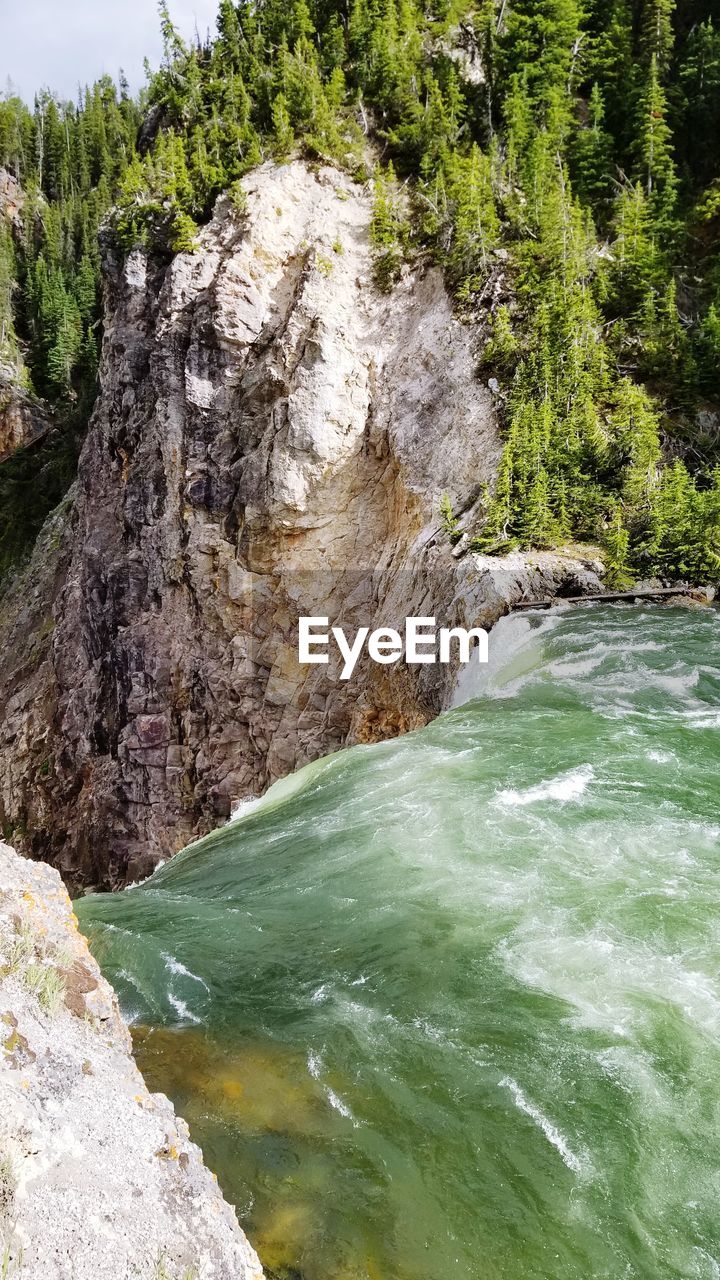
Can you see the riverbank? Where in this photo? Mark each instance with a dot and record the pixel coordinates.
(98, 1177)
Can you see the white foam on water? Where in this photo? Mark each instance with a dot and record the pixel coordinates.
(116, 928)
(578, 667)
(702, 719)
(131, 980)
(174, 966)
(553, 1135)
(710, 1266)
(566, 786)
(634, 1071)
(514, 655)
(182, 1010)
(339, 1105)
(275, 795)
(245, 806)
(315, 1067)
(612, 984)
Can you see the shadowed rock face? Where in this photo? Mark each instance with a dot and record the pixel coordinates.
(23, 419)
(272, 439)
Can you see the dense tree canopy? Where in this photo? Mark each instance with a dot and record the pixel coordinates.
(569, 187)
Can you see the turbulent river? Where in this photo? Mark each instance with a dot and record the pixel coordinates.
(448, 1008)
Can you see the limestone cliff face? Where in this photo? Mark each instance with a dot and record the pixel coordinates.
(273, 438)
(98, 1177)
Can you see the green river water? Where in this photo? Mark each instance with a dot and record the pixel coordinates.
(449, 1007)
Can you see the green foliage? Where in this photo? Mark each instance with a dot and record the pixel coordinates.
(46, 984)
(448, 518)
(462, 218)
(653, 148)
(502, 346)
(616, 545)
(69, 159)
(682, 534)
(8, 338)
(571, 198)
(20, 950)
(283, 134)
(387, 230)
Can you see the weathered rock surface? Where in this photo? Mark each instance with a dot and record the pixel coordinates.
(272, 439)
(23, 418)
(98, 1177)
(12, 199)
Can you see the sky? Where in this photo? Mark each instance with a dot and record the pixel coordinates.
(59, 44)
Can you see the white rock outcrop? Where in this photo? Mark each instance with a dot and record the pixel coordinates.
(98, 1177)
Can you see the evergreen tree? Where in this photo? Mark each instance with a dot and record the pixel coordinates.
(8, 340)
(655, 166)
(657, 32)
(572, 199)
(616, 543)
(386, 229)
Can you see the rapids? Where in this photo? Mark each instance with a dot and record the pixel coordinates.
(450, 1006)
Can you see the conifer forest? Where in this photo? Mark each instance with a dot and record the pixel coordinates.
(559, 159)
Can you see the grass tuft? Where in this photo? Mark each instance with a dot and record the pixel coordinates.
(46, 984)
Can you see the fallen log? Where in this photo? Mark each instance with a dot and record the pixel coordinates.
(607, 597)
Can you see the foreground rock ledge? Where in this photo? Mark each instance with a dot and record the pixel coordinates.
(98, 1177)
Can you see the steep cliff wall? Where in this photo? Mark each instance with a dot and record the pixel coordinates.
(273, 437)
(83, 1144)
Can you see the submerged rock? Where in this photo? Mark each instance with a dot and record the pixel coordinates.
(98, 1177)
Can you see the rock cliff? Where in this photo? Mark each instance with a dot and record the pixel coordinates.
(273, 438)
(83, 1144)
(23, 418)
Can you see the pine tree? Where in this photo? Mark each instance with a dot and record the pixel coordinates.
(637, 261)
(591, 154)
(8, 338)
(502, 346)
(475, 223)
(284, 136)
(637, 441)
(657, 32)
(655, 166)
(616, 544)
(594, 120)
(698, 91)
(386, 230)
